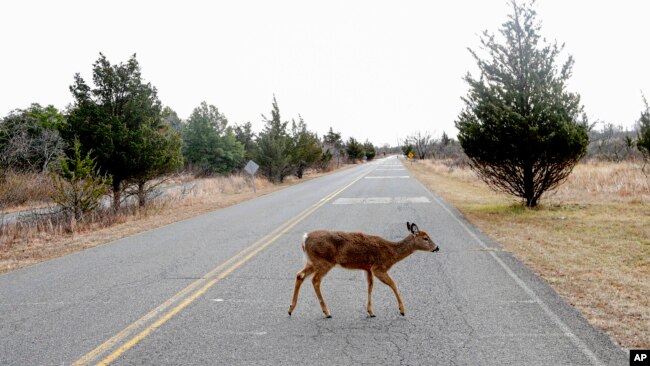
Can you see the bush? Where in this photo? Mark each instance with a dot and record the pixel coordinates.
(78, 185)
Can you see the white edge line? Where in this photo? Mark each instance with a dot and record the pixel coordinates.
(554, 317)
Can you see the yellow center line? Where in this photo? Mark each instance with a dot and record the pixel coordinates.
(212, 277)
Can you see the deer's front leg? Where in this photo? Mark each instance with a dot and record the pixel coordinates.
(369, 275)
(385, 278)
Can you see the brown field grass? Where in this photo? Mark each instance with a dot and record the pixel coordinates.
(589, 239)
(24, 191)
(32, 242)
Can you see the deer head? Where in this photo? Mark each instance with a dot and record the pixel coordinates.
(422, 239)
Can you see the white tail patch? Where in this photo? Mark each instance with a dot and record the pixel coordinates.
(304, 239)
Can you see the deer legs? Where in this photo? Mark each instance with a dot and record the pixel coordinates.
(318, 276)
(300, 277)
(385, 278)
(321, 271)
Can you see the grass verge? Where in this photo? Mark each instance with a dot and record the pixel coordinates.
(589, 239)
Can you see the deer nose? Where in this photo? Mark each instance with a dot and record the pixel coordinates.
(437, 249)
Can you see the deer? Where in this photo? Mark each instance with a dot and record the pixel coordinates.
(354, 250)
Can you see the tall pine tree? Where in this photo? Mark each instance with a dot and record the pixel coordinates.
(520, 127)
(274, 147)
(115, 121)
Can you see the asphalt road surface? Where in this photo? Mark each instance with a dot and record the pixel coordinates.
(214, 290)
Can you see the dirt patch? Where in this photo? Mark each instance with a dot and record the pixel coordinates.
(588, 239)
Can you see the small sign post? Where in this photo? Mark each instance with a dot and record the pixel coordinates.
(251, 168)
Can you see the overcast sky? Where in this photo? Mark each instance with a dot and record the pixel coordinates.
(374, 70)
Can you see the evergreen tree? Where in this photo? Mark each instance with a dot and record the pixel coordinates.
(369, 150)
(643, 140)
(520, 128)
(109, 120)
(306, 150)
(407, 148)
(334, 146)
(245, 135)
(209, 143)
(354, 149)
(159, 150)
(78, 184)
(445, 140)
(171, 119)
(274, 147)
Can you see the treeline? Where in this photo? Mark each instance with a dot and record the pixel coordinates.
(117, 134)
(607, 142)
(615, 143)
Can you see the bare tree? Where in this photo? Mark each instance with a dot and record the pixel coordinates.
(613, 143)
(423, 144)
(27, 145)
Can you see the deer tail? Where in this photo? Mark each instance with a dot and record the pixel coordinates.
(304, 239)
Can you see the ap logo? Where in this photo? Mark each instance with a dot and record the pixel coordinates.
(639, 357)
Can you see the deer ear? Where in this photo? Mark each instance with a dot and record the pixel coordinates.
(408, 225)
(414, 229)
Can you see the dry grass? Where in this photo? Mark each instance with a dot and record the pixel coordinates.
(20, 191)
(42, 239)
(589, 239)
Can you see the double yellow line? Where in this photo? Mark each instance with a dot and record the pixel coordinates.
(137, 331)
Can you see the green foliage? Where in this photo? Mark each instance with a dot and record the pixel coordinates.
(354, 149)
(209, 143)
(369, 150)
(29, 139)
(48, 117)
(245, 135)
(274, 147)
(159, 154)
(78, 184)
(306, 150)
(407, 148)
(112, 119)
(171, 119)
(520, 128)
(643, 140)
(325, 159)
(334, 147)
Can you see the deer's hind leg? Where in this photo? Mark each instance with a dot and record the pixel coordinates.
(300, 278)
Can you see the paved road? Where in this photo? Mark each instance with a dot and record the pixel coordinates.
(215, 290)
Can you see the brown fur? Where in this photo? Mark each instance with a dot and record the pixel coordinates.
(373, 254)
